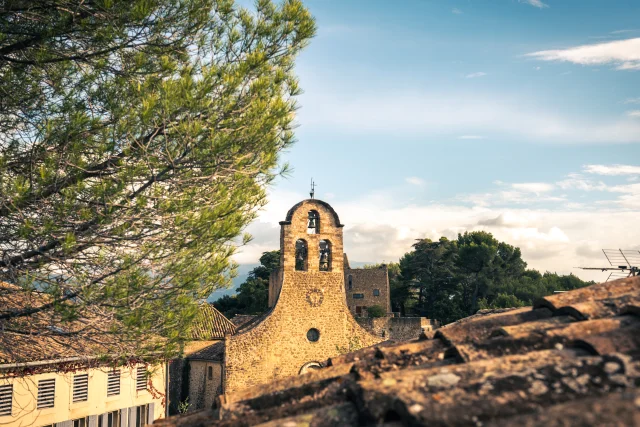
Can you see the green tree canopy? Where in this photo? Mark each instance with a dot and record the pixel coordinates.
(376, 311)
(450, 279)
(253, 294)
(136, 141)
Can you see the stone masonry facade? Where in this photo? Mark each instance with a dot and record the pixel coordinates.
(366, 287)
(308, 321)
(398, 328)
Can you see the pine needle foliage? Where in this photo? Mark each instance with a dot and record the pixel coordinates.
(137, 138)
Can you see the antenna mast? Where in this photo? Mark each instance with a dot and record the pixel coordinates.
(624, 263)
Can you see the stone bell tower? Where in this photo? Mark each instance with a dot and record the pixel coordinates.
(308, 319)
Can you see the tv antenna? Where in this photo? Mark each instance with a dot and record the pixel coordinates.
(313, 189)
(624, 263)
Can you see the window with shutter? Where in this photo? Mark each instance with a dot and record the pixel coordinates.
(6, 399)
(113, 383)
(141, 378)
(46, 393)
(80, 388)
(81, 422)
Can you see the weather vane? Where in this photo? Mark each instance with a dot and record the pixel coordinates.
(313, 188)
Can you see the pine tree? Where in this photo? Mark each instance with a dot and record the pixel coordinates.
(137, 138)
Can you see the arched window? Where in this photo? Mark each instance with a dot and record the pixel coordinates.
(301, 255)
(325, 255)
(313, 225)
(350, 284)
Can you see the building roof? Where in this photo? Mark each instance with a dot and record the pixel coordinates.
(210, 324)
(39, 337)
(213, 353)
(571, 359)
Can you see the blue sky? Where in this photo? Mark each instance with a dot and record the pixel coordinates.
(432, 117)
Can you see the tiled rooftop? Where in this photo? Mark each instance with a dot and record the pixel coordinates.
(210, 324)
(571, 359)
(38, 337)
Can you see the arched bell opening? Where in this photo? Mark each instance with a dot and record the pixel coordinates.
(301, 255)
(325, 255)
(313, 222)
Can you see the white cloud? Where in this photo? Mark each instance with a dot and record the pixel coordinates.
(414, 180)
(578, 182)
(624, 54)
(631, 101)
(474, 75)
(509, 197)
(533, 187)
(612, 169)
(623, 31)
(634, 114)
(472, 137)
(378, 227)
(456, 11)
(535, 3)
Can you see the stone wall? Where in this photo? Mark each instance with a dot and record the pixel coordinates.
(275, 284)
(282, 343)
(365, 281)
(205, 383)
(396, 328)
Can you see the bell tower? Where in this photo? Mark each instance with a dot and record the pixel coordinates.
(308, 319)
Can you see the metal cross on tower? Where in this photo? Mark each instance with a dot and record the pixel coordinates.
(313, 189)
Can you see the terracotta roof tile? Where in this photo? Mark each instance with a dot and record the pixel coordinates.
(539, 365)
(210, 324)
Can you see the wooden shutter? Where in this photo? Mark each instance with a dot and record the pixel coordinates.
(46, 393)
(80, 388)
(113, 383)
(150, 413)
(124, 417)
(132, 416)
(141, 378)
(6, 399)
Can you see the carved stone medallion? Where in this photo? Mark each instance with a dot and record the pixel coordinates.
(315, 297)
